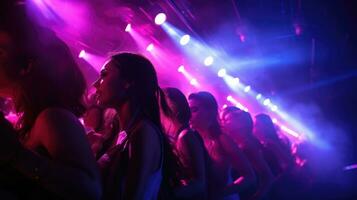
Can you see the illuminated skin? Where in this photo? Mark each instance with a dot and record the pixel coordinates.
(191, 153)
(69, 170)
(223, 152)
(243, 138)
(145, 151)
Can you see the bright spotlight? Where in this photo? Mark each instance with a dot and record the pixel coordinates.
(150, 47)
(184, 39)
(247, 88)
(236, 80)
(194, 82)
(274, 108)
(224, 106)
(181, 69)
(259, 96)
(222, 72)
(208, 61)
(266, 102)
(160, 18)
(229, 98)
(275, 120)
(128, 28)
(82, 54)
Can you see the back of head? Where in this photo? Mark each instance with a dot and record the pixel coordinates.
(42, 66)
(267, 124)
(178, 105)
(227, 110)
(144, 88)
(245, 119)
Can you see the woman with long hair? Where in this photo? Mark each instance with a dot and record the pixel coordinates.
(238, 124)
(224, 154)
(135, 167)
(188, 144)
(46, 155)
(277, 154)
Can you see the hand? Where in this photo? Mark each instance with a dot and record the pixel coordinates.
(9, 144)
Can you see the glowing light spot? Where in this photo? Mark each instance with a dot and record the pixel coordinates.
(289, 131)
(150, 47)
(259, 96)
(275, 120)
(247, 88)
(208, 61)
(181, 69)
(82, 54)
(160, 18)
(266, 102)
(184, 40)
(194, 82)
(222, 72)
(274, 108)
(128, 28)
(236, 80)
(229, 98)
(224, 106)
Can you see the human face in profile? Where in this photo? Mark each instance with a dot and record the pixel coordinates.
(201, 118)
(111, 88)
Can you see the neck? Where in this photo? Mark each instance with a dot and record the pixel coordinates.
(127, 114)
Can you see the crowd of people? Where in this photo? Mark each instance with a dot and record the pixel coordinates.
(138, 141)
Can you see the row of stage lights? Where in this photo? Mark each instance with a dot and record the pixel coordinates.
(222, 73)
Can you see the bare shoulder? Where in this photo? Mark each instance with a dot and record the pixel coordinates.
(55, 125)
(55, 115)
(188, 137)
(146, 132)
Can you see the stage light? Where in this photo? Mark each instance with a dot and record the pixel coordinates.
(275, 120)
(194, 82)
(184, 39)
(208, 61)
(247, 88)
(128, 28)
(274, 108)
(222, 72)
(266, 102)
(160, 18)
(259, 96)
(82, 54)
(236, 80)
(181, 69)
(150, 47)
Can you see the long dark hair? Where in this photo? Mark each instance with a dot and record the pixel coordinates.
(180, 110)
(43, 68)
(146, 95)
(209, 102)
(269, 128)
